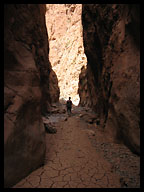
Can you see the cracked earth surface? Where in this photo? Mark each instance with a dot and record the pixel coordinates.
(73, 160)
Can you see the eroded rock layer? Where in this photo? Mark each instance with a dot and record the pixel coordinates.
(66, 46)
(111, 82)
(27, 84)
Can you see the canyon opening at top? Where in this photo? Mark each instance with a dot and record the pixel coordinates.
(66, 51)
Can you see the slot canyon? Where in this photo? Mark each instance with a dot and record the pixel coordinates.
(91, 53)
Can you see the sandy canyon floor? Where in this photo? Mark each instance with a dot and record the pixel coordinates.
(78, 155)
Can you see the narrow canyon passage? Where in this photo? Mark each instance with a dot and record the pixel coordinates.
(72, 161)
(66, 54)
(91, 53)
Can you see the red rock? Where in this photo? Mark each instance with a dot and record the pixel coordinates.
(111, 82)
(28, 81)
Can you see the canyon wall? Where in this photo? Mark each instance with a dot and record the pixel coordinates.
(111, 82)
(66, 46)
(30, 86)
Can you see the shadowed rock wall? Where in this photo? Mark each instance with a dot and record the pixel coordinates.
(111, 82)
(28, 79)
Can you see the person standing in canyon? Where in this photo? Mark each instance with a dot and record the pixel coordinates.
(69, 106)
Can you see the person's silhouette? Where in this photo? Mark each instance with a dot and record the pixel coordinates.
(69, 105)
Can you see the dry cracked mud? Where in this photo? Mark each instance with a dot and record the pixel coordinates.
(74, 159)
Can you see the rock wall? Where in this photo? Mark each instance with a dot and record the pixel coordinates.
(111, 82)
(66, 46)
(28, 79)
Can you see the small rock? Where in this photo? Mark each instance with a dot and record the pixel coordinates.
(50, 129)
(95, 124)
(55, 111)
(123, 182)
(91, 133)
(65, 119)
(53, 105)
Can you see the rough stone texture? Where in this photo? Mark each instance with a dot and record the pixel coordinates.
(81, 155)
(71, 161)
(111, 84)
(66, 46)
(27, 75)
(53, 87)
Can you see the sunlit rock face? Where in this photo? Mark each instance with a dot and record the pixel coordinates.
(28, 79)
(66, 46)
(111, 82)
